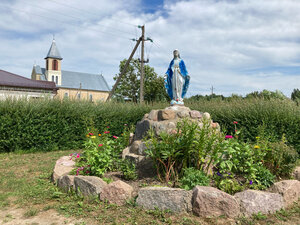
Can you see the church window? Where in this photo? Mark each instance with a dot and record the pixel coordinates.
(47, 64)
(91, 97)
(52, 78)
(54, 65)
(56, 79)
(66, 95)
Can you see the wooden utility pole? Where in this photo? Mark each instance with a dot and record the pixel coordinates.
(124, 70)
(142, 66)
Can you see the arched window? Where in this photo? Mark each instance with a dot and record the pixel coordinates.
(52, 78)
(54, 65)
(78, 95)
(47, 64)
(91, 97)
(56, 79)
(66, 95)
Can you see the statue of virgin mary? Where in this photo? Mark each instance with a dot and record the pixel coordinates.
(177, 79)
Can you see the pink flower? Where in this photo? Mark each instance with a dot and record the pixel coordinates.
(91, 134)
(77, 156)
(125, 124)
(228, 136)
(235, 122)
(115, 137)
(106, 132)
(100, 145)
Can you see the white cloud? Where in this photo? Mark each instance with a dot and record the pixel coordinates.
(217, 39)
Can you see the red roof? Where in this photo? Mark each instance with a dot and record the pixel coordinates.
(14, 80)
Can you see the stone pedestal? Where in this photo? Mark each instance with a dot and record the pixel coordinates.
(163, 120)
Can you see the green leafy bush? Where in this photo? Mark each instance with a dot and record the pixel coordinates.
(102, 153)
(189, 146)
(192, 177)
(240, 165)
(280, 158)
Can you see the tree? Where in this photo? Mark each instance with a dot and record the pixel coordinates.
(129, 86)
(267, 95)
(295, 96)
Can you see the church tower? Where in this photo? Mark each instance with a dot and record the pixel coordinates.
(53, 64)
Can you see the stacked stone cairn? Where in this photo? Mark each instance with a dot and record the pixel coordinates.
(164, 120)
(202, 201)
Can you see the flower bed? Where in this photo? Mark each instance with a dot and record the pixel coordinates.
(188, 157)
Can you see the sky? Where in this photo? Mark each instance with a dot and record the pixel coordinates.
(236, 46)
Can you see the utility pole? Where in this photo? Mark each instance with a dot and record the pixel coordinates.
(212, 90)
(142, 66)
(124, 70)
(142, 61)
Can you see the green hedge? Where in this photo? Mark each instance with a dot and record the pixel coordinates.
(276, 117)
(51, 124)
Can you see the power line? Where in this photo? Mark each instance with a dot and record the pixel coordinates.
(74, 17)
(82, 10)
(59, 21)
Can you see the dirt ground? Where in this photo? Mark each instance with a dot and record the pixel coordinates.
(16, 216)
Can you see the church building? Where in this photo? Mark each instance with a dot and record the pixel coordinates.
(73, 85)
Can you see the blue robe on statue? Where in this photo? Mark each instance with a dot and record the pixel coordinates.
(168, 79)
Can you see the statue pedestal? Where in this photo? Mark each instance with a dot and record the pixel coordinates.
(162, 120)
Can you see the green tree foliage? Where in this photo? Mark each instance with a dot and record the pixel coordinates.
(295, 96)
(265, 94)
(129, 86)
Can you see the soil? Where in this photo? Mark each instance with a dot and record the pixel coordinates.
(16, 216)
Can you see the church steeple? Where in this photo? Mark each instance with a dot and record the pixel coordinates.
(53, 64)
(53, 51)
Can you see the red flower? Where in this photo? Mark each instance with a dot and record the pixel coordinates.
(228, 136)
(235, 122)
(100, 145)
(106, 132)
(107, 126)
(115, 137)
(91, 134)
(235, 130)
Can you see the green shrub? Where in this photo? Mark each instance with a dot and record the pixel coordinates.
(189, 146)
(192, 177)
(240, 165)
(278, 116)
(102, 153)
(280, 158)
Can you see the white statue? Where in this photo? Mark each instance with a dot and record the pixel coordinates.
(177, 79)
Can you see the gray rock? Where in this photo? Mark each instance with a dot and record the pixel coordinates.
(296, 173)
(194, 114)
(125, 152)
(89, 185)
(66, 183)
(166, 114)
(153, 115)
(253, 202)
(63, 166)
(174, 199)
(116, 193)
(211, 202)
(141, 129)
(183, 114)
(206, 116)
(289, 189)
(142, 148)
(134, 148)
(143, 165)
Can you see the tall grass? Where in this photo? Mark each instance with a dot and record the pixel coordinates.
(52, 124)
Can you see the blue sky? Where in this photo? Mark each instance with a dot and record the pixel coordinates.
(237, 46)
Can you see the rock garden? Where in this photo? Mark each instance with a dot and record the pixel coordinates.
(178, 159)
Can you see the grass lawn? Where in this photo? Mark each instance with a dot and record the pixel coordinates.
(25, 183)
